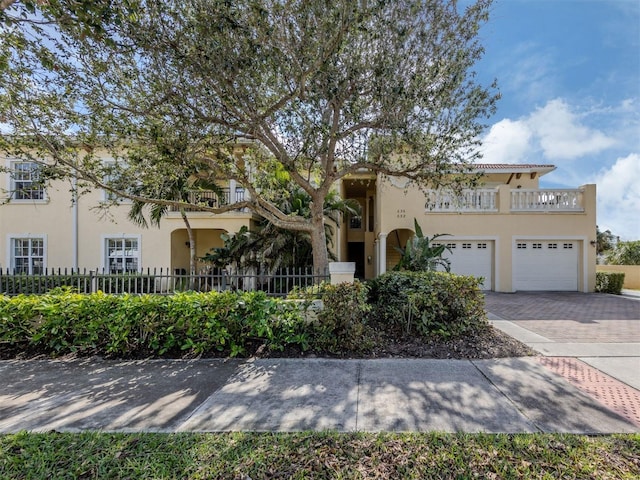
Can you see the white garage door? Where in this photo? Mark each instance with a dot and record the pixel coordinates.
(472, 258)
(546, 265)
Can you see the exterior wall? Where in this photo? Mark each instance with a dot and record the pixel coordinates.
(57, 219)
(631, 274)
(398, 206)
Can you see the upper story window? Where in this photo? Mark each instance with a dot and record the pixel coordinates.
(113, 177)
(25, 182)
(355, 222)
(27, 255)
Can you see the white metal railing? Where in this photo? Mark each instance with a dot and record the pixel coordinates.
(532, 200)
(467, 200)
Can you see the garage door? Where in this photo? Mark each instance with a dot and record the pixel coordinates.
(472, 258)
(546, 265)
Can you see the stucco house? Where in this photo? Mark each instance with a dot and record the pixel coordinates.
(509, 231)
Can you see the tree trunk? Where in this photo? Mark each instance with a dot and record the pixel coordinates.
(319, 240)
(192, 249)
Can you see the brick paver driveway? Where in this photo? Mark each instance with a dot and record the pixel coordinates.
(570, 316)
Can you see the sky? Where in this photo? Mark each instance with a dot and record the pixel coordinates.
(569, 75)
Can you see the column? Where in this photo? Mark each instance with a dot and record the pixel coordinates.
(382, 253)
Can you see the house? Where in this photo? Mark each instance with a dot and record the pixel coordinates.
(509, 231)
(515, 235)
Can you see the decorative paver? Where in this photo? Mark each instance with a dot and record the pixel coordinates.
(615, 395)
(595, 331)
(579, 307)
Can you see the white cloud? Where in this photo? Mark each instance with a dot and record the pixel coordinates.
(507, 142)
(619, 197)
(549, 134)
(562, 136)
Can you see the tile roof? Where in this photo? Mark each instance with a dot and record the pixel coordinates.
(511, 166)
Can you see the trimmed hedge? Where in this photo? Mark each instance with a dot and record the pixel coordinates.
(609, 282)
(426, 303)
(343, 319)
(190, 323)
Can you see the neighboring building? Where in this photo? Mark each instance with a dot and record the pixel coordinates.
(515, 235)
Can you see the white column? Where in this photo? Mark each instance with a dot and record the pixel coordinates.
(382, 253)
(232, 191)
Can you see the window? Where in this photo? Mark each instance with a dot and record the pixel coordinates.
(113, 177)
(122, 255)
(466, 245)
(482, 246)
(537, 246)
(355, 222)
(552, 246)
(567, 245)
(27, 255)
(522, 246)
(25, 182)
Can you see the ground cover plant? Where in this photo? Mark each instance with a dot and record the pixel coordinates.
(317, 455)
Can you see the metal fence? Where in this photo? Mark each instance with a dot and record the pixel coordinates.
(159, 281)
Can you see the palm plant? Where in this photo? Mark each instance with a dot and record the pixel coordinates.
(421, 254)
(271, 247)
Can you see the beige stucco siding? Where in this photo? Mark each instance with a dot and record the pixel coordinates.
(56, 219)
(397, 208)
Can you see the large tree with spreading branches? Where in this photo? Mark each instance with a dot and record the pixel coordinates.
(320, 89)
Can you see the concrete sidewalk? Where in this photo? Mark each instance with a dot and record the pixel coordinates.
(502, 395)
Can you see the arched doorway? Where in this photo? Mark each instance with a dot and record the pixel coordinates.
(206, 239)
(396, 239)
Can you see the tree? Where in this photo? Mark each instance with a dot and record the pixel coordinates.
(625, 253)
(604, 241)
(321, 89)
(176, 151)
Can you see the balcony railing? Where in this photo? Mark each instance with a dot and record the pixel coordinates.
(529, 200)
(468, 200)
(212, 198)
(494, 200)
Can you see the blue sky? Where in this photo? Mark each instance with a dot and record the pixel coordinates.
(569, 75)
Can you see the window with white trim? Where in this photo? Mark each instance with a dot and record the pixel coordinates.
(113, 177)
(25, 182)
(27, 255)
(122, 254)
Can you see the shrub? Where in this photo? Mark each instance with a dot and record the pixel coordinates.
(609, 282)
(343, 319)
(427, 303)
(135, 325)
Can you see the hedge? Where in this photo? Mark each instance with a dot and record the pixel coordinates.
(426, 303)
(609, 282)
(190, 323)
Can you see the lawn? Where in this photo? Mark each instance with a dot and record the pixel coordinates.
(317, 455)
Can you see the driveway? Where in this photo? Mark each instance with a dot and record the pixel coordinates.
(591, 339)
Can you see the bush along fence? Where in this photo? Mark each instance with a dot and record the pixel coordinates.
(237, 323)
(160, 281)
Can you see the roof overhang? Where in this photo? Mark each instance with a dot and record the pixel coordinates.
(513, 168)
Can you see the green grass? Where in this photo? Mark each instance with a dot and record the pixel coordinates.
(317, 455)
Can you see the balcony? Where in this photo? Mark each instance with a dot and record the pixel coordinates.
(505, 200)
(546, 200)
(468, 200)
(212, 199)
